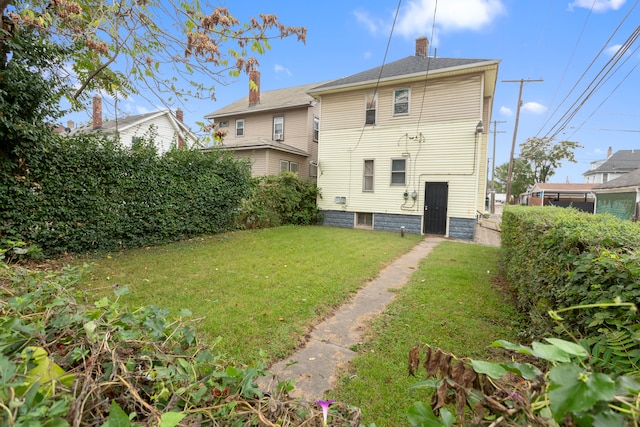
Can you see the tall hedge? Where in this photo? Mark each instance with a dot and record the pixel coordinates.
(556, 258)
(81, 194)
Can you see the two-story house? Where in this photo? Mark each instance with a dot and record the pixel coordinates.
(614, 166)
(276, 130)
(166, 129)
(403, 145)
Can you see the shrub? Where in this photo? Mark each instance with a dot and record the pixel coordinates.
(556, 258)
(284, 199)
(87, 193)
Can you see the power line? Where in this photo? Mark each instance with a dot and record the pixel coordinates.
(515, 131)
(493, 162)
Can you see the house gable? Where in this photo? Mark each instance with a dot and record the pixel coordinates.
(434, 139)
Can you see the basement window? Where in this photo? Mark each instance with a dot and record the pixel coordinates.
(364, 220)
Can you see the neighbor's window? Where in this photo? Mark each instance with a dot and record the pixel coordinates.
(240, 127)
(224, 124)
(287, 166)
(371, 102)
(401, 101)
(398, 171)
(367, 176)
(316, 128)
(364, 220)
(278, 128)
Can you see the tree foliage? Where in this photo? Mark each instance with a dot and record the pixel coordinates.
(131, 46)
(521, 178)
(544, 156)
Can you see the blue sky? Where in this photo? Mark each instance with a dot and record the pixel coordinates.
(571, 45)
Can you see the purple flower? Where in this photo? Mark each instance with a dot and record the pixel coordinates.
(324, 404)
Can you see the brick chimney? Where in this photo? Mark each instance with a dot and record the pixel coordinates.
(70, 124)
(97, 112)
(609, 152)
(254, 94)
(180, 117)
(422, 46)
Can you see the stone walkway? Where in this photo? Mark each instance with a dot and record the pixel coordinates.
(314, 366)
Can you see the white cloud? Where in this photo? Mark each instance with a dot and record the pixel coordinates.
(612, 50)
(141, 110)
(451, 15)
(534, 108)
(506, 111)
(371, 24)
(280, 69)
(598, 5)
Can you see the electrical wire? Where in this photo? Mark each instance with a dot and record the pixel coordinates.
(566, 68)
(384, 60)
(594, 85)
(593, 61)
(426, 74)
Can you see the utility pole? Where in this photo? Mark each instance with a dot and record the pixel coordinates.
(493, 166)
(515, 132)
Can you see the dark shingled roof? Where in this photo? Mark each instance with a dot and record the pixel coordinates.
(631, 179)
(278, 99)
(620, 161)
(404, 67)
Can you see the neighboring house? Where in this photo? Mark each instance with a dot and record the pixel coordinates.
(167, 130)
(403, 145)
(276, 130)
(579, 196)
(614, 166)
(620, 197)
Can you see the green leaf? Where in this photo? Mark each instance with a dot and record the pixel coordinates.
(573, 390)
(117, 417)
(550, 352)
(494, 370)
(568, 347)
(513, 347)
(421, 415)
(171, 419)
(525, 370)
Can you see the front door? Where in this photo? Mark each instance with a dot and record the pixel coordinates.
(436, 195)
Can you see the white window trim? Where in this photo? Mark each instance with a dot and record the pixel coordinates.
(316, 128)
(373, 176)
(237, 127)
(392, 172)
(363, 226)
(375, 109)
(278, 136)
(393, 103)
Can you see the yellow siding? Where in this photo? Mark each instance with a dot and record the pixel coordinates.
(442, 147)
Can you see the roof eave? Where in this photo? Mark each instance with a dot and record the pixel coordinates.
(485, 66)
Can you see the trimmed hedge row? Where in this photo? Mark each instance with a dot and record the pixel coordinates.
(557, 258)
(83, 194)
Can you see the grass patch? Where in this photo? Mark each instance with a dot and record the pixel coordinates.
(257, 289)
(449, 303)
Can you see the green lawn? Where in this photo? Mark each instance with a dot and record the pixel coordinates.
(449, 303)
(263, 289)
(258, 289)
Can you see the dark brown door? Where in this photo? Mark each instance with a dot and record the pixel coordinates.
(436, 195)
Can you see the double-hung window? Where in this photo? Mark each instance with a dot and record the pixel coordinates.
(400, 102)
(278, 128)
(371, 104)
(240, 127)
(368, 176)
(316, 128)
(398, 171)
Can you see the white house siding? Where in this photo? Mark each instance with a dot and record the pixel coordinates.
(449, 150)
(165, 139)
